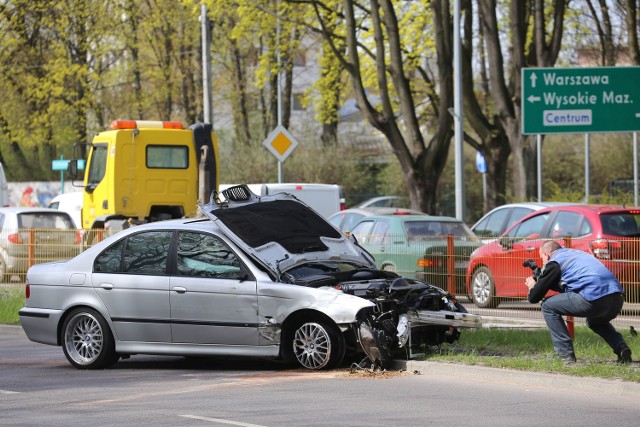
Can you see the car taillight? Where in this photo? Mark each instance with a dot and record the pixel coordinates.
(27, 291)
(14, 238)
(602, 248)
(429, 263)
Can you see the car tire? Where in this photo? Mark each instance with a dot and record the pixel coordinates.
(317, 345)
(483, 290)
(87, 340)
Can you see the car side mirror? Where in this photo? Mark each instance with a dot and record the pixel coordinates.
(506, 243)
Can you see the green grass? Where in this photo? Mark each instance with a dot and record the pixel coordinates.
(523, 349)
(11, 301)
(532, 350)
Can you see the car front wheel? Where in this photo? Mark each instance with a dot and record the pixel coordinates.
(483, 291)
(317, 345)
(87, 341)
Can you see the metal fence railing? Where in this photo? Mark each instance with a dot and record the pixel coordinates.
(463, 266)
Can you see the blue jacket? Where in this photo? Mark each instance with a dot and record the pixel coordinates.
(581, 272)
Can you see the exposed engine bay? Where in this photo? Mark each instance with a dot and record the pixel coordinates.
(408, 316)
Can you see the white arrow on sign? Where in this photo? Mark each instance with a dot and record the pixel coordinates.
(533, 98)
(533, 79)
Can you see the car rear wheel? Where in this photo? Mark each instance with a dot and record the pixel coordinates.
(483, 291)
(87, 341)
(317, 345)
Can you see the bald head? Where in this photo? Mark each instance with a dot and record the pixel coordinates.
(549, 247)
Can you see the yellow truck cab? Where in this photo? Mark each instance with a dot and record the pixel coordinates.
(142, 171)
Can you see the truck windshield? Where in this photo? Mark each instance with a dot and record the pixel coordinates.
(98, 165)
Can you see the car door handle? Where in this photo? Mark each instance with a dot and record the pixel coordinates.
(530, 249)
(106, 286)
(180, 290)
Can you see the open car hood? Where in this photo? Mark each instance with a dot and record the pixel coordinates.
(281, 232)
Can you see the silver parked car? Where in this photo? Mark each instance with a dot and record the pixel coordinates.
(261, 276)
(54, 237)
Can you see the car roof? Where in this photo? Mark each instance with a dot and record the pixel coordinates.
(536, 206)
(420, 217)
(27, 209)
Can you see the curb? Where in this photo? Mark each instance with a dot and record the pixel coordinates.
(526, 379)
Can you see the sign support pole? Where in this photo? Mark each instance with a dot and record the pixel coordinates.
(539, 165)
(587, 152)
(635, 168)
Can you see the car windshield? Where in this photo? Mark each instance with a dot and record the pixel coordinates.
(623, 224)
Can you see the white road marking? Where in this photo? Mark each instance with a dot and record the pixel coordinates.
(221, 421)
(9, 392)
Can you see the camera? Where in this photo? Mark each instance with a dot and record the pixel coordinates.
(534, 267)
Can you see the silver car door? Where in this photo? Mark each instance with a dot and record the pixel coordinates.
(213, 299)
(131, 279)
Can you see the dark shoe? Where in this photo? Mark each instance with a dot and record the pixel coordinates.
(568, 360)
(625, 355)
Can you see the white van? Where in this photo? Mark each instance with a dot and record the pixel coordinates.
(70, 203)
(326, 199)
(4, 189)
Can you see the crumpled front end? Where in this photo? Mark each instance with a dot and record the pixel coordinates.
(409, 316)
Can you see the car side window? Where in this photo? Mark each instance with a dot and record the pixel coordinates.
(529, 229)
(142, 253)
(110, 261)
(362, 231)
(204, 255)
(517, 214)
(565, 224)
(492, 225)
(147, 253)
(379, 234)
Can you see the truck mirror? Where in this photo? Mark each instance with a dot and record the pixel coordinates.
(72, 169)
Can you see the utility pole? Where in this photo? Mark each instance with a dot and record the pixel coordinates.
(206, 65)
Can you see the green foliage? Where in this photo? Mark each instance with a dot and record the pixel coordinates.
(11, 301)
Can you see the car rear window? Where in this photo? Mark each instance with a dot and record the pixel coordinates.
(45, 220)
(623, 224)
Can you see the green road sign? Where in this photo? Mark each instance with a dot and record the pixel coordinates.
(580, 100)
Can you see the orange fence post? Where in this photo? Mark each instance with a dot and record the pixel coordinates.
(31, 247)
(451, 272)
(570, 321)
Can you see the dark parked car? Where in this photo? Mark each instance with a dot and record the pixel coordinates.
(610, 233)
(260, 276)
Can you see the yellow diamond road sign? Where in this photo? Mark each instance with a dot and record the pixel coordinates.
(280, 143)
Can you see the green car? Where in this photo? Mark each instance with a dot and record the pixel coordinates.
(415, 246)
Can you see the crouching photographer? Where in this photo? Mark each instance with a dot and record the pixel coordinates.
(586, 289)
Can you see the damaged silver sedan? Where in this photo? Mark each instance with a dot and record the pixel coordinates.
(259, 276)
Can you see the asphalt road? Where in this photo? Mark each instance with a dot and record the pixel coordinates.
(38, 387)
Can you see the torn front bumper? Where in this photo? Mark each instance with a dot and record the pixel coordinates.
(444, 318)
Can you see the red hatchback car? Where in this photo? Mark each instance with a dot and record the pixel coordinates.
(611, 233)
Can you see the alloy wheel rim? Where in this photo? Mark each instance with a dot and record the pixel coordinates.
(312, 346)
(84, 339)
